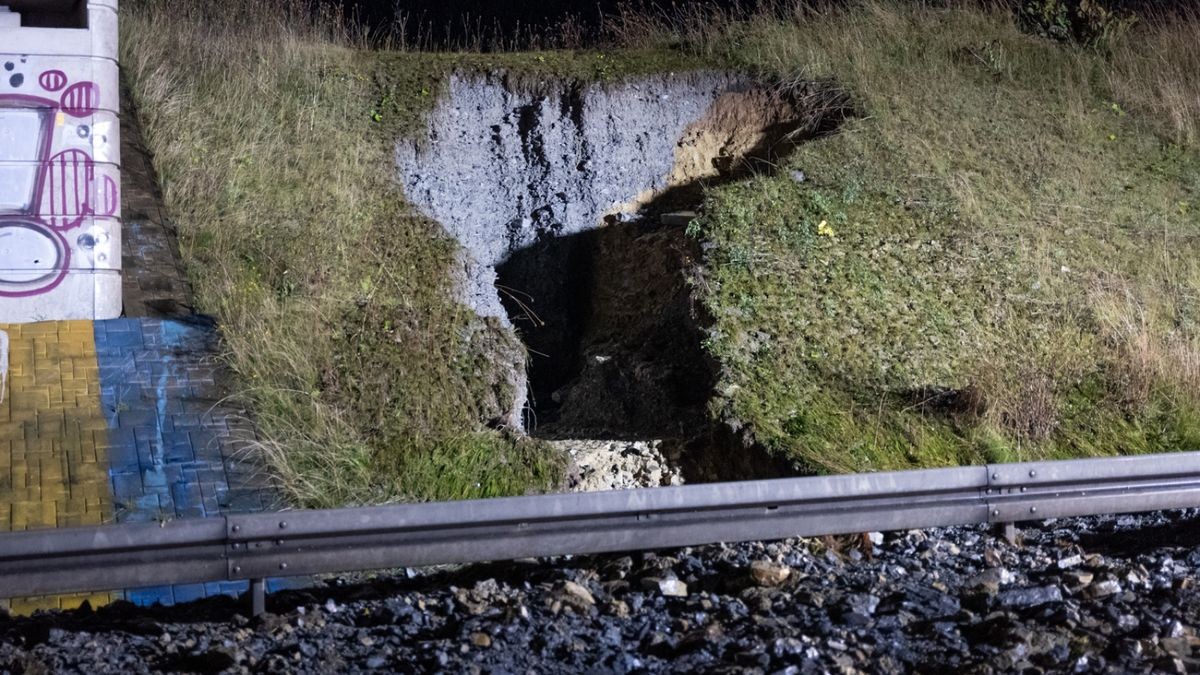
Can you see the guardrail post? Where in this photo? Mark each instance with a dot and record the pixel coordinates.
(999, 485)
(1008, 531)
(258, 597)
(259, 546)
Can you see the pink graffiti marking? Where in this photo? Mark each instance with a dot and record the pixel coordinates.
(70, 176)
(110, 197)
(52, 80)
(80, 99)
(51, 280)
(47, 135)
(64, 184)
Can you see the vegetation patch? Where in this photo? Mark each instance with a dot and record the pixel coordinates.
(1088, 22)
(996, 263)
(272, 135)
(994, 260)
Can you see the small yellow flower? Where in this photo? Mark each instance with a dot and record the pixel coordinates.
(1112, 137)
(824, 229)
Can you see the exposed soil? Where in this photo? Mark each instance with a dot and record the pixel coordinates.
(615, 341)
(571, 210)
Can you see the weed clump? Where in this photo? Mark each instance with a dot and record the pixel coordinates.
(1087, 22)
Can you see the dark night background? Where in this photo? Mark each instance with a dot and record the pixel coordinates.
(506, 13)
(505, 24)
(489, 23)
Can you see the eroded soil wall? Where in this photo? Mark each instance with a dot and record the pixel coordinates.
(565, 198)
(505, 165)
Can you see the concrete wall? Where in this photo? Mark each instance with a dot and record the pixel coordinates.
(60, 178)
(502, 168)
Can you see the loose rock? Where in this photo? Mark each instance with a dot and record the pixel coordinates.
(575, 595)
(769, 574)
(697, 610)
(482, 640)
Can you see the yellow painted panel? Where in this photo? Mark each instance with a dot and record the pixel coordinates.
(53, 466)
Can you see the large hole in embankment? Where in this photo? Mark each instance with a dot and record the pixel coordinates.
(571, 203)
(613, 335)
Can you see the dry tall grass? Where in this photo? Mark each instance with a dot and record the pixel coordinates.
(1151, 324)
(204, 78)
(1022, 173)
(272, 131)
(1156, 69)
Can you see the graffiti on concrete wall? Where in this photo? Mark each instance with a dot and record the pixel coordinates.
(60, 158)
(49, 182)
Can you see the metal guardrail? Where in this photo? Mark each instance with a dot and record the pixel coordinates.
(256, 546)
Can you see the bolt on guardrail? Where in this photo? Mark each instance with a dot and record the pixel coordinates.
(256, 546)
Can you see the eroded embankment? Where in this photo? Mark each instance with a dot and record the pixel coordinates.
(570, 202)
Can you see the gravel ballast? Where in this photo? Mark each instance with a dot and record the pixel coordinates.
(1105, 594)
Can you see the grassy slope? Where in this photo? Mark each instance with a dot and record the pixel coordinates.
(987, 237)
(273, 141)
(1008, 268)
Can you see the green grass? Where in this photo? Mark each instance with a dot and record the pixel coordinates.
(272, 134)
(1008, 218)
(989, 213)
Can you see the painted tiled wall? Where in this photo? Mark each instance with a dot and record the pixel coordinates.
(122, 420)
(53, 440)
